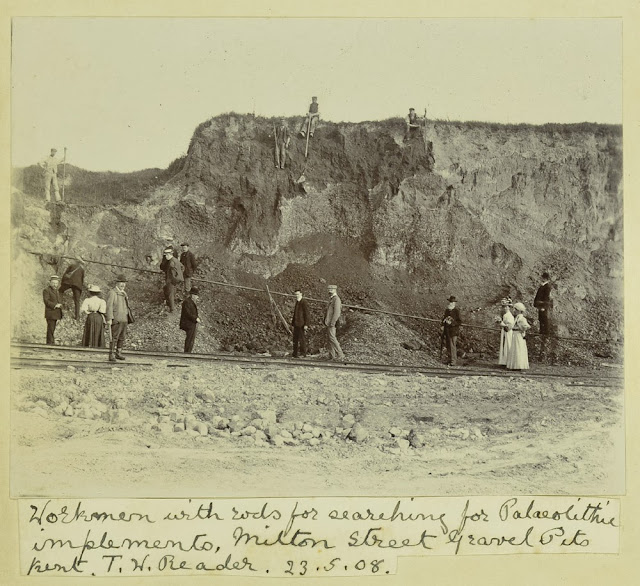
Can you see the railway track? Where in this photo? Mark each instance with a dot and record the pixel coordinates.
(31, 355)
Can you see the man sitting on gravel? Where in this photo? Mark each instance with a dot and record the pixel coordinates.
(300, 323)
(332, 316)
(173, 277)
(189, 319)
(117, 317)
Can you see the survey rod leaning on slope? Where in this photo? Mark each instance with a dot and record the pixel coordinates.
(324, 301)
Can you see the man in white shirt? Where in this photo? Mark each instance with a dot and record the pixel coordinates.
(50, 166)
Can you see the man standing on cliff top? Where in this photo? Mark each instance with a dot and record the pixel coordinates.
(544, 304)
(50, 166)
(413, 124)
(311, 121)
(283, 138)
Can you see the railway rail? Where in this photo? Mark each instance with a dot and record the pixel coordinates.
(32, 355)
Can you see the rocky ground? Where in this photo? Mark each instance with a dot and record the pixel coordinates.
(230, 430)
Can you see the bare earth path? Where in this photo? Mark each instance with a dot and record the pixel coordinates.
(217, 430)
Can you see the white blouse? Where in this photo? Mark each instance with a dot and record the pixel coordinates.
(93, 304)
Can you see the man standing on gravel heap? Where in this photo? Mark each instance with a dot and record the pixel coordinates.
(334, 309)
(451, 324)
(118, 318)
(188, 261)
(173, 277)
(300, 323)
(52, 307)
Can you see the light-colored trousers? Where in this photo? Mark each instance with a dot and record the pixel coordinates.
(51, 178)
(312, 127)
(334, 346)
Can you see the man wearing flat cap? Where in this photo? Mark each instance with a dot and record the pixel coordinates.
(173, 277)
(311, 121)
(73, 278)
(334, 309)
(451, 324)
(189, 319)
(52, 307)
(118, 317)
(188, 262)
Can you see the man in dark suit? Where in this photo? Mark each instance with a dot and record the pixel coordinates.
(52, 307)
(189, 319)
(451, 324)
(73, 278)
(300, 323)
(188, 261)
(544, 304)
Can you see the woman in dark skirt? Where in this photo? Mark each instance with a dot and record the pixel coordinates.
(95, 308)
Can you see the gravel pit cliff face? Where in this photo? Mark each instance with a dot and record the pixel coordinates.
(477, 210)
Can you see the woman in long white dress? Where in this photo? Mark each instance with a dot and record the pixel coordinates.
(506, 323)
(518, 357)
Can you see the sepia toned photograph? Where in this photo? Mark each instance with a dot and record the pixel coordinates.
(316, 257)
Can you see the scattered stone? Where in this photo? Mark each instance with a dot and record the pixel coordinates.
(202, 428)
(42, 404)
(269, 415)
(164, 419)
(286, 434)
(249, 430)
(163, 427)
(348, 420)
(192, 433)
(260, 435)
(306, 436)
(291, 441)
(358, 433)
(403, 444)
(206, 396)
(71, 368)
(314, 441)
(395, 431)
(68, 412)
(40, 411)
(178, 427)
(415, 441)
(258, 423)
(307, 428)
(477, 434)
(120, 403)
(278, 441)
(394, 451)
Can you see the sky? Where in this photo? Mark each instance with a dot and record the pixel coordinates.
(124, 94)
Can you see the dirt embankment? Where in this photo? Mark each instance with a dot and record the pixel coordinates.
(476, 210)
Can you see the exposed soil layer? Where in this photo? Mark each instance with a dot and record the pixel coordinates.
(217, 430)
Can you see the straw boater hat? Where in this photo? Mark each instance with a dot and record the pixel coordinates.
(520, 307)
(94, 289)
(332, 287)
(167, 251)
(54, 278)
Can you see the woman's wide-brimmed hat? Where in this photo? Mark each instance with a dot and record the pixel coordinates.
(506, 301)
(94, 289)
(520, 307)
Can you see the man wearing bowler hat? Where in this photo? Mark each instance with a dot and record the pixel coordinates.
(334, 309)
(117, 317)
(451, 325)
(52, 307)
(189, 319)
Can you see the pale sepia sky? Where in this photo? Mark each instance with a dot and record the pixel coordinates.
(126, 93)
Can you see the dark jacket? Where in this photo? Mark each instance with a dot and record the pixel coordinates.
(543, 297)
(300, 314)
(51, 298)
(188, 261)
(454, 328)
(282, 134)
(74, 275)
(189, 314)
(172, 270)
